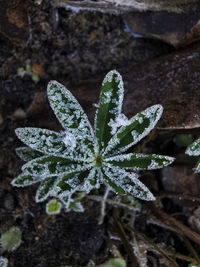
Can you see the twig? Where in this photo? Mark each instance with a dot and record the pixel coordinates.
(166, 253)
(191, 249)
(125, 241)
(173, 224)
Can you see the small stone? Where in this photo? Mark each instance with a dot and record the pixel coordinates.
(37, 69)
(19, 114)
(38, 2)
(8, 202)
(194, 220)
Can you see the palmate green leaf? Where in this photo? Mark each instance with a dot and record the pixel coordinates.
(53, 207)
(124, 182)
(75, 160)
(140, 161)
(194, 148)
(27, 154)
(70, 114)
(45, 189)
(48, 166)
(109, 107)
(25, 179)
(139, 126)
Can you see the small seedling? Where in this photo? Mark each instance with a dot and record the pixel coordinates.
(11, 239)
(27, 71)
(80, 159)
(53, 207)
(194, 150)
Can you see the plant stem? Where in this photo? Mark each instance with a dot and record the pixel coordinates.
(103, 205)
(111, 202)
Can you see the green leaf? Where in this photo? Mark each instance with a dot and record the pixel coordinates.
(35, 78)
(95, 177)
(139, 126)
(78, 181)
(75, 206)
(3, 262)
(53, 207)
(27, 154)
(25, 179)
(140, 161)
(116, 262)
(52, 166)
(109, 108)
(197, 167)
(70, 114)
(11, 239)
(194, 148)
(62, 183)
(45, 189)
(74, 182)
(46, 141)
(127, 182)
(65, 199)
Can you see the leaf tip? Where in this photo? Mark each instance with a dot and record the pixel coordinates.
(14, 183)
(171, 160)
(159, 108)
(18, 132)
(51, 83)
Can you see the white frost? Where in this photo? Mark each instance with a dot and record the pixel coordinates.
(69, 140)
(194, 148)
(152, 113)
(121, 120)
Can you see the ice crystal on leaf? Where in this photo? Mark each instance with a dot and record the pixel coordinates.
(194, 150)
(3, 262)
(78, 159)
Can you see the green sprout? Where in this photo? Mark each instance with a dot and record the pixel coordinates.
(80, 159)
(27, 71)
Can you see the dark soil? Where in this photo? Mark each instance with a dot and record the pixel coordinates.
(71, 48)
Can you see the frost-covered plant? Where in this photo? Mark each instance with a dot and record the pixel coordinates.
(79, 159)
(3, 262)
(194, 150)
